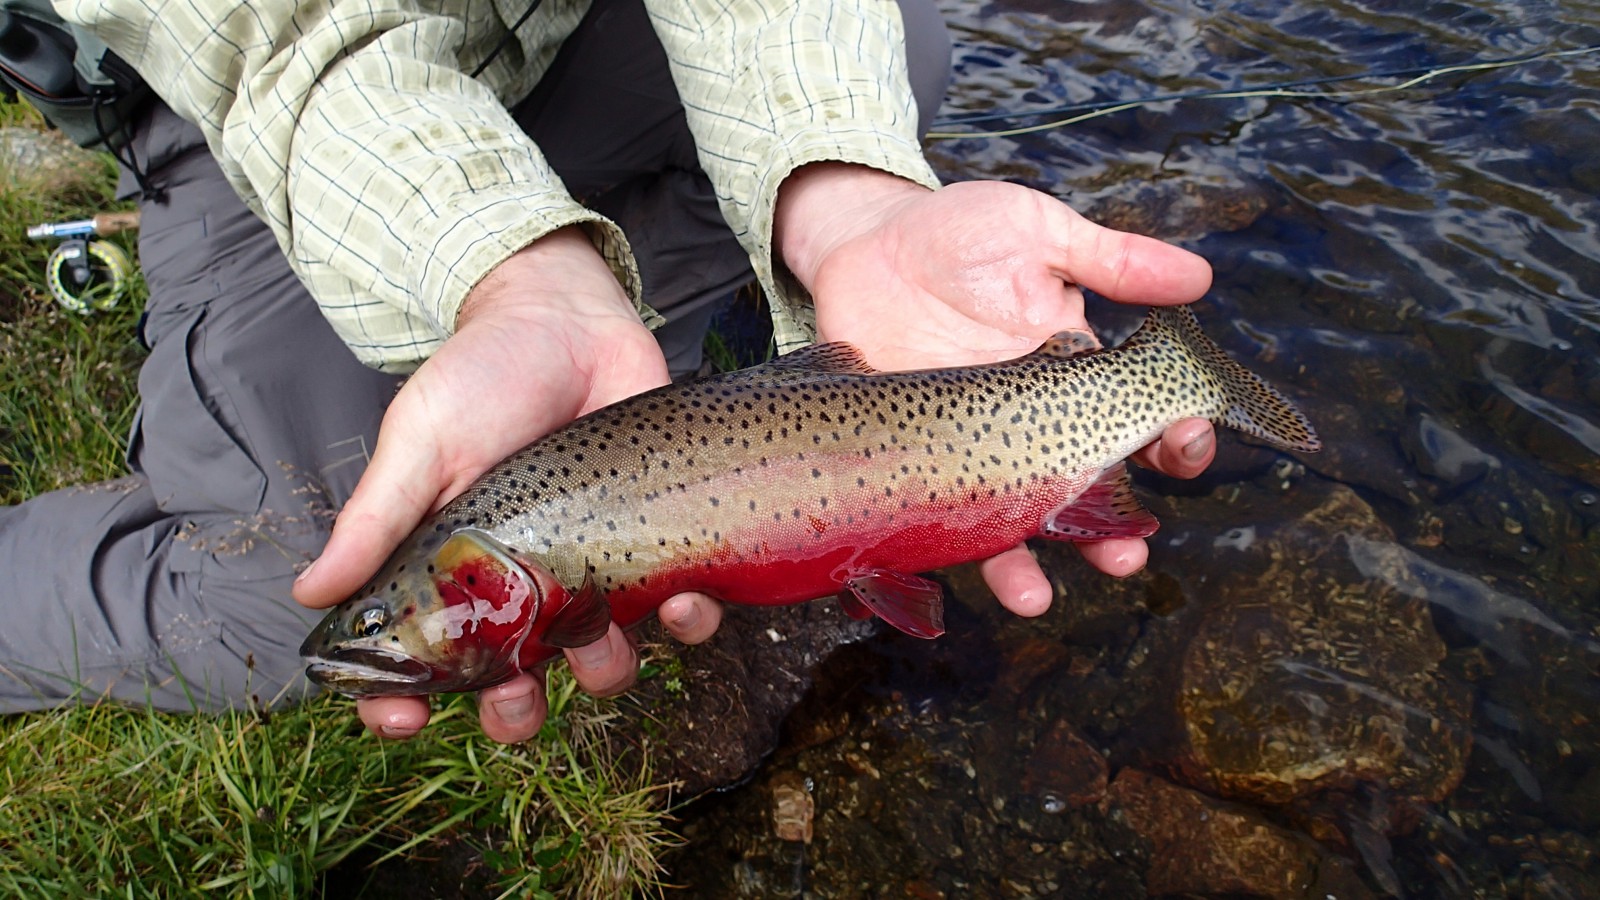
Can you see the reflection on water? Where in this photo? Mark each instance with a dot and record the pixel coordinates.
(1421, 271)
(1425, 270)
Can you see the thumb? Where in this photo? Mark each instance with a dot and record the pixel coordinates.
(1128, 268)
(393, 495)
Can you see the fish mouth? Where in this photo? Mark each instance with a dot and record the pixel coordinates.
(366, 672)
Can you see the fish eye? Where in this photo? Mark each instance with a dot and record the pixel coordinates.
(370, 622)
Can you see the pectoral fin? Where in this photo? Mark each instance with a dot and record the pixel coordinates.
(1108, 509)
(583, 619)
(912, 604)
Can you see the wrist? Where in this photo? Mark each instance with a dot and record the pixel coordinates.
(562, 267)
(824, 205)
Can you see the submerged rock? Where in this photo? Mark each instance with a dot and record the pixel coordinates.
(714, 711)
(1179, 209)
(1064, 771)
(920, 801)
(1198, 845)
(1278, 660)
(1308, 672)
(792, 807)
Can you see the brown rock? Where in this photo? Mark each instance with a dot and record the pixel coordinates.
(1188, 208)
(1064, 771)
(1304, 674)
(1022, 662)
(792, 806)
(722, 713)
(1199, 845)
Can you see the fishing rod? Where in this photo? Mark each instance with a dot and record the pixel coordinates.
(1415, 74)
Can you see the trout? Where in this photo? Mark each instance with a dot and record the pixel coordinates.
(807, 476)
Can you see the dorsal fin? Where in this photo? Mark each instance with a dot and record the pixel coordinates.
(834, 358)
(1067, 344)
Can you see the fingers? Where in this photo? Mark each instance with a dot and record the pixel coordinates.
(1184, 450)
(382, 510)
(1017, 581)
(395, 718)
(606, 667)
(1128, 268)
(1118, 557)
(691, 618)
(509, 712)
(513, 711)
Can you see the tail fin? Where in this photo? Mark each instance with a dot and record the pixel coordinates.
(1254, 407)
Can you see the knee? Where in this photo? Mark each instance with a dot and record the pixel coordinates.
(927, 57)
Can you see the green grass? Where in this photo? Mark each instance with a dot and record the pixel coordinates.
(109, 801)
(68, 384)
(101, 801)
(67, 379)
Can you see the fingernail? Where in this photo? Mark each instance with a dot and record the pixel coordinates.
(1196, 450)
(687, 618)
(395, 733)
(514, 710)
(595, 655)
(304, 572)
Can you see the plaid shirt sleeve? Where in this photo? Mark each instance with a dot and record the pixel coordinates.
(771, 86)
(394, 182)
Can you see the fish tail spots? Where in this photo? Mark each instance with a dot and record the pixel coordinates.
(1252, 406)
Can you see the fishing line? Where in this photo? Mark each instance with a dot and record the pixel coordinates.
(1282, 89)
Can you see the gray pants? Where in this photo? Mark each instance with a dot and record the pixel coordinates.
(171, 586)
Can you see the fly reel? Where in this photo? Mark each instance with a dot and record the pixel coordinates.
(85, 274)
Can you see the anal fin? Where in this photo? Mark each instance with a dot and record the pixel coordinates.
(1108, 509)
(583, 619)
(910, 603)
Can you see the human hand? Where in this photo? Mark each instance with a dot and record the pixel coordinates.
(972, 273)
(545, 338)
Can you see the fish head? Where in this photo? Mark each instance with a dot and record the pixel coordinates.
(449, 611)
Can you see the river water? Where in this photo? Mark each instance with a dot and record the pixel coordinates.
(1420, 270)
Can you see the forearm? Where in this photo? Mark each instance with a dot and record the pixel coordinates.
(417, 203)
(775, 86)
(392, 181)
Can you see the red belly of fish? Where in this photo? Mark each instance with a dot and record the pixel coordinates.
(795, 561)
